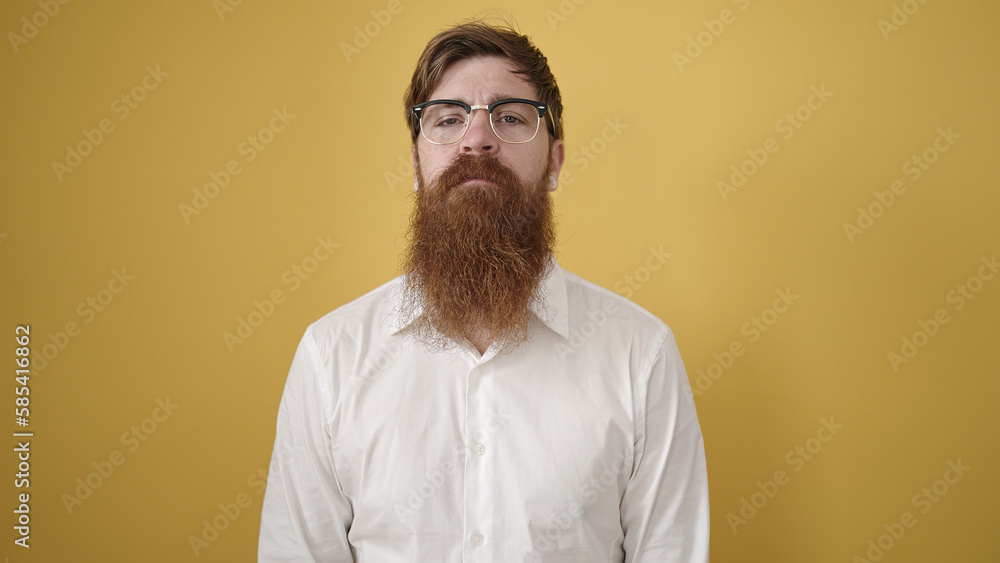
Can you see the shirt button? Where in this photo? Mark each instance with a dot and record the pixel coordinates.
(479, 449)
(478, 539)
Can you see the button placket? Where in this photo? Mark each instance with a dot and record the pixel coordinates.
(479, 473)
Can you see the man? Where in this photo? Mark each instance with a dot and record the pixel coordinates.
(487, 405)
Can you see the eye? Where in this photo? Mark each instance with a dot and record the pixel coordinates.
(444, 116)
(514, 114)
(448, 121)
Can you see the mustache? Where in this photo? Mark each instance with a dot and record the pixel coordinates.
(485, 167)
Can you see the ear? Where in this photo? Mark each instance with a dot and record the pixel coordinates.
(557, 155)
(416, 167)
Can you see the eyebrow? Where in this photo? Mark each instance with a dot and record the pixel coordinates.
(493, 98)
(499, 97)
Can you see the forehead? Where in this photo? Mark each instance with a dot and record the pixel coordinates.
(482, 80)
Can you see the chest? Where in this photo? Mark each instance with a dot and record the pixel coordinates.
(422, 437)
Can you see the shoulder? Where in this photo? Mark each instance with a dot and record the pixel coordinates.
(585, 296)
(368, 315)
(593, 308)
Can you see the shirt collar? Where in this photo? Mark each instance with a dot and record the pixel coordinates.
(552, 309)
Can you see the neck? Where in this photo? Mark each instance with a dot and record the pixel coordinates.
(479, 338)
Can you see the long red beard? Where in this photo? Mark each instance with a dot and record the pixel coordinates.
(477, 254)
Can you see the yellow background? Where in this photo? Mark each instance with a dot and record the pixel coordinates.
(335, 171)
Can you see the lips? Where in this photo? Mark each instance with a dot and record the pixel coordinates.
(483, 172)
(477, 180)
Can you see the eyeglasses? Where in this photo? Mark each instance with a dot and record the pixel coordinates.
(513, 120)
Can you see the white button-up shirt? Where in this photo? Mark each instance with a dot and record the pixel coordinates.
(582, 445)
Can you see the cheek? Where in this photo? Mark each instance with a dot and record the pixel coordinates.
(431, 176)
(533, 172)
(430, 166)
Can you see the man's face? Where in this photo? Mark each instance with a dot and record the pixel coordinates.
(482, 230)
(481, 81)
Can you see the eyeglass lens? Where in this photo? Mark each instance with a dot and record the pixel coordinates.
(514, 122)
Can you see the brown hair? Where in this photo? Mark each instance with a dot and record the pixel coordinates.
(480, 39)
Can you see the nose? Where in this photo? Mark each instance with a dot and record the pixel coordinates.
(479, 138)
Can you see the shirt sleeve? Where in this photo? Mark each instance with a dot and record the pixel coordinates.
(664, 511)
(305, 515)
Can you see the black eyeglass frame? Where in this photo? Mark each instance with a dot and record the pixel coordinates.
(539, 106)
